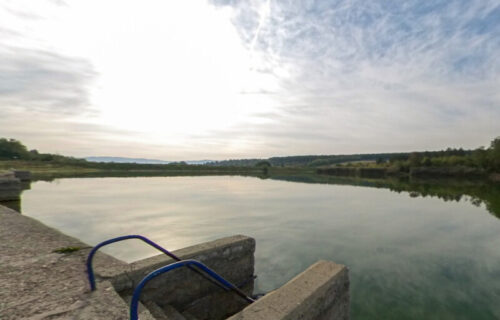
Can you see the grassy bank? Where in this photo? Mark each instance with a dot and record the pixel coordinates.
(46, 170)
(38, 167)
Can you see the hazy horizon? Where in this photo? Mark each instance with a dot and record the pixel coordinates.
(226, 79)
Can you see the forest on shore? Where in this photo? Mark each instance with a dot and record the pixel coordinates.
(14, 153)
(485, 158)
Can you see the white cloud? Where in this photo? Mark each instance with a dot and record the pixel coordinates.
(192, 79)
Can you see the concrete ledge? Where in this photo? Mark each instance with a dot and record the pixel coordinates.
(321, 292)
(231, 257)
(229, 248)
(38, 283)
(10, 186)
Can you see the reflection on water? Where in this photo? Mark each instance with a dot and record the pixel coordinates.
(475, 191)
(409, 257)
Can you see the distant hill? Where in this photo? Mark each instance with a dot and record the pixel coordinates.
(140, 160)
(126, 160)
(198, 161)
(312, 160)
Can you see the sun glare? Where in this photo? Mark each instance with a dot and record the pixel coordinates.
(185, 71)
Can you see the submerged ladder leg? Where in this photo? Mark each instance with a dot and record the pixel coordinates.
(209, 272)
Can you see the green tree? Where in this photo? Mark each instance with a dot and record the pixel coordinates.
(13, 149)
(427, 162)
(263, 164)
(414, 159)
(480, 158)
(495, 154)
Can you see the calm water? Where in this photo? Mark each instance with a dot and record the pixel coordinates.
(409, 257)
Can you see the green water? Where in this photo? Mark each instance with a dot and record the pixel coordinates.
(415, 250)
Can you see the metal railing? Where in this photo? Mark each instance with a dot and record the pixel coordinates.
(188, 263)
(91, 276)
(90, 270)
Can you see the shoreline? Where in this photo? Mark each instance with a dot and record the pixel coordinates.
(48, 170)
(434, 173)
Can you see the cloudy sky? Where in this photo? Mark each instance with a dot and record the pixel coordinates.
(198, 79)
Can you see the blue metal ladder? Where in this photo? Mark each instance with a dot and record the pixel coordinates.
(194, 265)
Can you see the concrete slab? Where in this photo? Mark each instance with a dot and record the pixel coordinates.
(38, 283)
(321, 292)
(43, 273)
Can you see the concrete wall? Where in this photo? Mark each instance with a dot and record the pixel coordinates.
(320, 293)
(10, 187)
(188, 292)
(38, 283)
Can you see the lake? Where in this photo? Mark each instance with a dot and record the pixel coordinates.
(410, 256)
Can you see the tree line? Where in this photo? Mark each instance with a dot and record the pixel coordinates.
(11, 149)
(483, 158)
(14, 150)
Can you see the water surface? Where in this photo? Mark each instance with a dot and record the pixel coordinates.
(409, 257)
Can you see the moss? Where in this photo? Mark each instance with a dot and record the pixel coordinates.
(67, 250)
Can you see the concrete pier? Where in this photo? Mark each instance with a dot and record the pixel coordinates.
(10, 186)
(43, 276)
(319, 293)
(38, 283)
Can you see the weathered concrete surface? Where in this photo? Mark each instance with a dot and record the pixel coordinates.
(319, 293)
(10, 187)
(37, 283)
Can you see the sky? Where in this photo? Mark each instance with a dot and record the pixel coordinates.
(221, 79)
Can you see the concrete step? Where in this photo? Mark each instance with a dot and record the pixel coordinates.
(144, 313)
(172, 313)
(166, 313)
(156, 311)
(189, 316)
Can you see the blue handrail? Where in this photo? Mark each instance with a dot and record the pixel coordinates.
(137, 292)
(90, 270)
